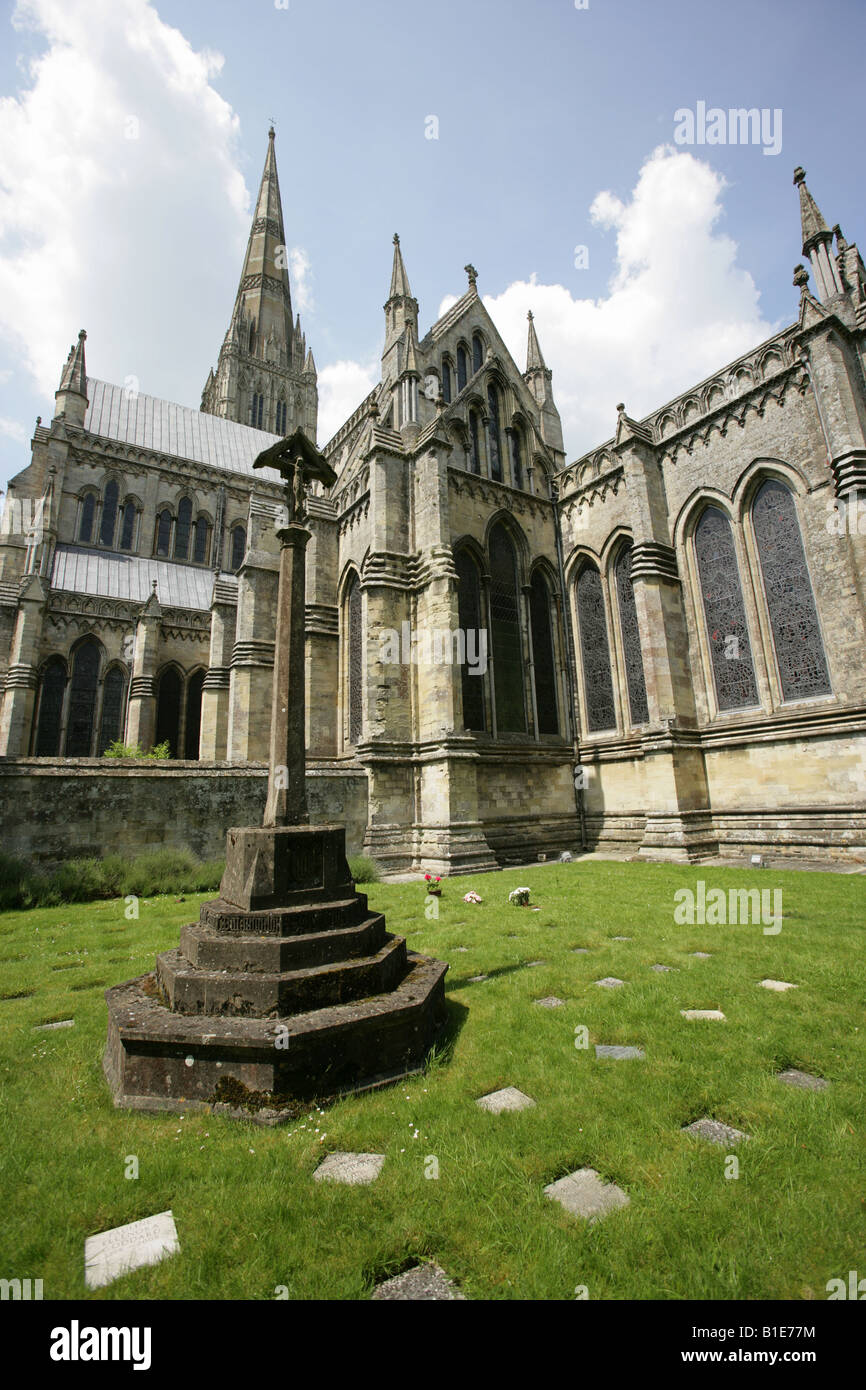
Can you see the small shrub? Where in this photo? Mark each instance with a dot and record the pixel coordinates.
(119, 749)
(364, 870)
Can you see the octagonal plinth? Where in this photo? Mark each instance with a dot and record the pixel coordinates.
(287, 984)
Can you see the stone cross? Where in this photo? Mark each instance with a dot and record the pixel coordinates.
(298, 461)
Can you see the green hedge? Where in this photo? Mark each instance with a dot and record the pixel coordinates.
(115, 876)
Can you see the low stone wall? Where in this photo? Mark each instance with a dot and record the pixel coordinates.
(62, 808)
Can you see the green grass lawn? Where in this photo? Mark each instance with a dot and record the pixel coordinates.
(250, 1218)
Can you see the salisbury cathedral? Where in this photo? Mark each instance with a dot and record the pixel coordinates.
(678, 615)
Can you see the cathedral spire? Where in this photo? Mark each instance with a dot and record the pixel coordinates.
(71, 394)
(534, 358)
(260, 379)
(401, 311)
(817, 241)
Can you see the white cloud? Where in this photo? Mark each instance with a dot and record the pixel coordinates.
(120, 167)
(342, 387)
(677, 307)
(12, 429)
(301, 280)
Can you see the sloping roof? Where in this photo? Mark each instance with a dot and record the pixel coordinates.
(114, 412)
(106, 574)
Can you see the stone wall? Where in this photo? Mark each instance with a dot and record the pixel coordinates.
(53, 809)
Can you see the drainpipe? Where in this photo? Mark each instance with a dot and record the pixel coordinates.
(569, 662)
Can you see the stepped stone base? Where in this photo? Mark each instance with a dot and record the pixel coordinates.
(297, 999)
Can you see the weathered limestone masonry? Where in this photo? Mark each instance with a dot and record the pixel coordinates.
(699, 650)
(64, 808)
(783, 766)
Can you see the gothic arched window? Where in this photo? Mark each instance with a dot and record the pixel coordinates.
(788, 590)
(182, 530)
(127, 526)
(111, 723)
(595, 652)
(628, 626)
(163, 532)
(52, 688)
(193, 715)
(469, 617)
(88, 512)
(493, 433)
(446, 380)
(516, 457)
(239, 545)
(474, 442)
(281, 417)
(82, 700)
(200, 541)
(356, 660)
(507, 646)
(462, 375)
(109, 514)
(543, 663)
(724, 611)
(477, 353)
(168, 693)
(257, 408)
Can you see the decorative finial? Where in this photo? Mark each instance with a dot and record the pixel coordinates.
(472, 273)
(396, 239)
(530, 315)
(799, 175)
(801, 276)
(154, 588)
(620, 409)
(38, 421)
(81, 335)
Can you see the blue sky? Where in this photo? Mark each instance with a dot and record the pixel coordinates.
(555, 129)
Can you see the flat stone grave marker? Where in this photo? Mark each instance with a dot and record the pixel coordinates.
(461, 948)
(778, 985)
(509, 1098)
(112, 1253)
(580, 950)
(353, 1169)
(610, 982)
(549, 1002)
(700, 955)
(620, 938)
(583, 1193)
(47, 1027)
(477, 979)
(703, 1013)
(715, 1131)
(423, 1283)
(803, 1079)
(662, 969)
(536, 962)
(617, 1053)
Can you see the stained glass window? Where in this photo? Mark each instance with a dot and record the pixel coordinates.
(193, 715)
(493, 434)
(516, 458)
(474, 442)
(281, 417)
(239, 545)
(595, 652)
(82, 700)
(88, 511)
(469, 611)
(168, 692)
(51, 691)
(111, 723)
(727, 629)
(461, 369)
(477, 354)
(200, 542)
(163, 532)
(628, 626)
(127, 528)
(109, 514)
(507, 647)
(788, 589)
(184, 523)
(356, 661)
(542, 656)
(446, 380)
